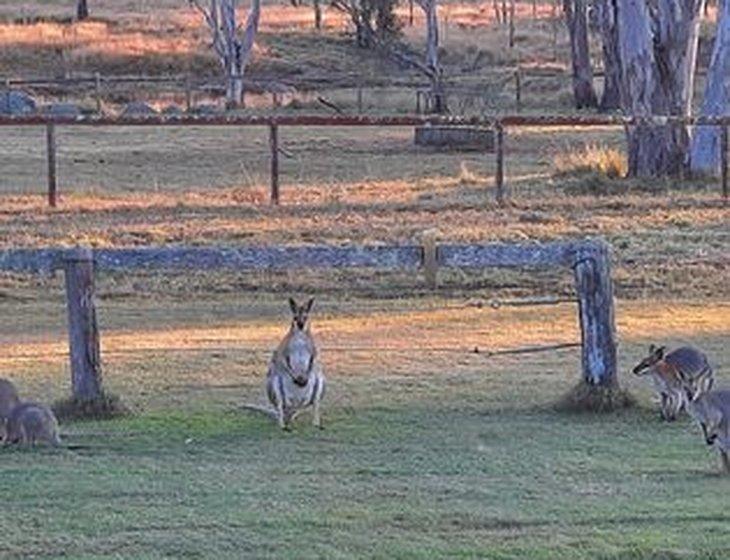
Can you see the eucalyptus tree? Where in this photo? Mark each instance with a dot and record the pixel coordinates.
(231, 42)
(657, 45)
(576, 18)
(705, 154)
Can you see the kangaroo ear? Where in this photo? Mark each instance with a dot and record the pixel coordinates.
(309, 305)
(293, 305)
(660, 352)
(652, 349)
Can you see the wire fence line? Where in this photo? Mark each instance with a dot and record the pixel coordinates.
(474, 350)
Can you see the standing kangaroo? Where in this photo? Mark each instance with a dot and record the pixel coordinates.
(30, 423)
(8, 401)
(711, 410)
(670, 373)
(295, 379)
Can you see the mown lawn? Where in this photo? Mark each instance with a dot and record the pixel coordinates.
(407, 468)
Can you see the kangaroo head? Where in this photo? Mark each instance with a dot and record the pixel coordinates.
(656, 355)
(300, 313)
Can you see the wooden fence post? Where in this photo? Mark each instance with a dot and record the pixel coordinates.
(317, 15)
(499, 175)
(410, 13)
(511, 23)
(723, 161)
(188, 93)
(597, 324)
(359, 99)
(83, 333)
(97, 91)
(51, 153)
(274, 147)
(518, 90)
(430, 258)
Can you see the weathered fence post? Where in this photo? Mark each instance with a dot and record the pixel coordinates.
(511, 23)
(499, 175)
(597, 325)
(430, 258)
(51, 153)
(83, 332)
(188, 93)
(97, 91)
(518, 91)
(274, 146)
(723, 161)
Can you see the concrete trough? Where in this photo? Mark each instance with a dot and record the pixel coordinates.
(457, 138)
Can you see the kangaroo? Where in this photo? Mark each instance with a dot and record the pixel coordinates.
(670, 373)
(30, 423)
(295, 379)
(711, 410)
(8, 401)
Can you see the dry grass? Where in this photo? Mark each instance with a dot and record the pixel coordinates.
(593, 159)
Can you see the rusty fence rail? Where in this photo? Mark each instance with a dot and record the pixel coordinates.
(275, 122)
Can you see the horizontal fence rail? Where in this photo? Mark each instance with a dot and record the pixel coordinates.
(498, 255)
(359, 120)
(275, 122)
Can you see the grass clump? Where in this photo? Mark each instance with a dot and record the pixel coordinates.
(592, 159)
(593, 170)
(105, 407)
(595, 398)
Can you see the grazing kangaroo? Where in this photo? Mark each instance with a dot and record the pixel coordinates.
(711, 410)
(8, 401)
(30, 423)
(295, 379)
(670, 373)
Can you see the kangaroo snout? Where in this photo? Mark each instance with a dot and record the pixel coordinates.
(300, 381)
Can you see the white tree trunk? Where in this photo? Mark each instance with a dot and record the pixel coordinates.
(705, 157)
(433, 65)
(576, 17)
(233, 50)
(657, 63)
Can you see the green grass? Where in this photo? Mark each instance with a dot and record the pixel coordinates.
(460, 475)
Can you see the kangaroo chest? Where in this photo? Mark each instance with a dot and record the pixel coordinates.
(296, 396)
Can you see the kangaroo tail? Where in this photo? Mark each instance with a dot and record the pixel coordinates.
(270, 412)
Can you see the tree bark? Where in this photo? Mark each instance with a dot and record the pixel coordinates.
(82, 10)
(576, 17)
(438, 97)
(611, 95)
(705, 154)
(657, 63)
